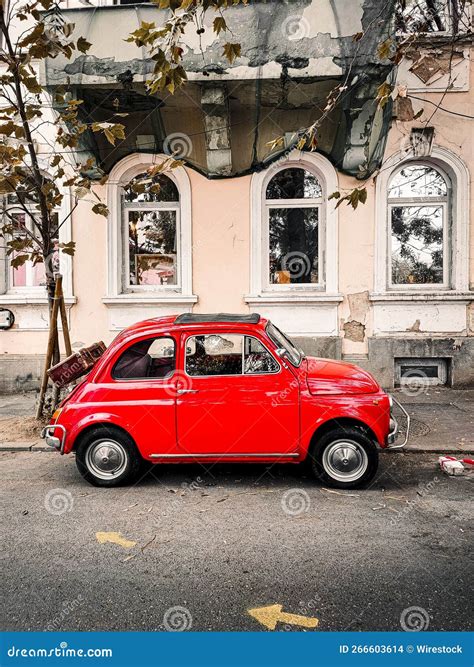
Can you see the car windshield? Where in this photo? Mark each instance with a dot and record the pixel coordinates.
(280, 340)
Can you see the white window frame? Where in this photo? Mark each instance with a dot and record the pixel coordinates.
(401, 202)
(327, 287)
(9, 294)
(150, 206)
(269, 204)
(452, 167)
(117, 292)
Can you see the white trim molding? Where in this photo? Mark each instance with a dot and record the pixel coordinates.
(451, 164)
(317, 305)
(424, 310)
(121, 174)
(127, 307)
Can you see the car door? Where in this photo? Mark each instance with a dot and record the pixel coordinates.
(141, 392)
(234, 398)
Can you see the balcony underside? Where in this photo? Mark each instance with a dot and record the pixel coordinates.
(229, 114)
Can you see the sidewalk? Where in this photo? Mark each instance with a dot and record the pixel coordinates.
(442, 421)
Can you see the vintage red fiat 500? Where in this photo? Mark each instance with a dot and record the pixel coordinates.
(218, 388)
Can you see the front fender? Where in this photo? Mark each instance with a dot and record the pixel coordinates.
(370, 410)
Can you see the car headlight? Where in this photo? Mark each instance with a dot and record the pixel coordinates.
(56, 414)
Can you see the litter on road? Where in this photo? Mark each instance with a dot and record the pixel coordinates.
(450, 465)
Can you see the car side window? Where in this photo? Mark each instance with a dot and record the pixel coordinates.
(149, 358)
(257, 359)
(227, 354)
(214, 354)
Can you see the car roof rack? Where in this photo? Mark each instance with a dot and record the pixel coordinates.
(200, 318)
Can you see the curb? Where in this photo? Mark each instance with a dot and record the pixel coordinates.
(446, 450)
(25, 448)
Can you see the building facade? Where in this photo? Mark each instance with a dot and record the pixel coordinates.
(241, 228)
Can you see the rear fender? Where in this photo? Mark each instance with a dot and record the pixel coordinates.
(99, 419)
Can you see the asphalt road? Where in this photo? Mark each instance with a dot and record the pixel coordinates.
(218, 541)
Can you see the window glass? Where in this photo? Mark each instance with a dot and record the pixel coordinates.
(422, 16)
(418, 198)
(417, 181)
(151, 219)
(149, 358)
(214, 354)
(29, 274)
(294, 245)
(417, 244)
(152, 242)
(144, 189)
(228, 354)
(293, 228)
(257, 359)
(294, 183)
(280, 340)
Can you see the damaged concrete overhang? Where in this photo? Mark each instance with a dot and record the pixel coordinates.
(293, 54)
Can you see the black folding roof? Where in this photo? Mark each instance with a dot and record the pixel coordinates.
(199, 318)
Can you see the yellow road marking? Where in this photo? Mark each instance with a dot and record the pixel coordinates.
(115, 538)
(272, 614)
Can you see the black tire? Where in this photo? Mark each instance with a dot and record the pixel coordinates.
(120, 462)
(344, 453)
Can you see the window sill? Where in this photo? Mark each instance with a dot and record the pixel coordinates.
(151, 299)
(31, 300)
(293, 298)
(415, 296)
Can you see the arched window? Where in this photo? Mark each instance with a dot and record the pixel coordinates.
(149, 237)
(292, 229)
(151, 232)
(422, 230)
(419, 227)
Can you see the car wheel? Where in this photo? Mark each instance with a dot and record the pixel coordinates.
(106, 456)
(344, 458)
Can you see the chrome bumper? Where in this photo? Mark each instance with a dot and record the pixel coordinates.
(51, 439)
(392, 436)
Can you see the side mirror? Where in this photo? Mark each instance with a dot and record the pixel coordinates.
(282, 352)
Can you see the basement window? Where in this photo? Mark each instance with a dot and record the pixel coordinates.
(415, 371)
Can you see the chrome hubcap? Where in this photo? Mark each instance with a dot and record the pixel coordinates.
(106, 459)
(345, 460)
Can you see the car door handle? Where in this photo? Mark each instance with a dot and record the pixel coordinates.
(187, 391)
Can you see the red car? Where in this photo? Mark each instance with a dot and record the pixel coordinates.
(218, 388)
